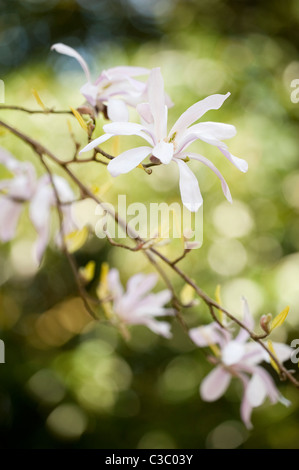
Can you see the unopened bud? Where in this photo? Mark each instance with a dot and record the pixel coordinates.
(265, 322)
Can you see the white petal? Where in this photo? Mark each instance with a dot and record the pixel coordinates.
(117, 110)
(159, 327)
(157, 104)
(63, 188)
(190, 192)
(144, 112)
(282, 351)
(10, 212)
(94, 143)
(69, 51)
(205, 161)
(239, 163)
(163, 151)
(128, 160)
(90, 92)
(206, 335)
(215, 384)
(114, 283)
(248, 321)
(232, 353)
(256, 391)
(123, 128)
(196, 111)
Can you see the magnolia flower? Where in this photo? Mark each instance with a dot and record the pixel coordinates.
(136, 306)
(23, 188)
(167, 147)
(116, 87)
(239, 358)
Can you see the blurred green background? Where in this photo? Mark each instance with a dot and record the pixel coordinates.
(68, 383)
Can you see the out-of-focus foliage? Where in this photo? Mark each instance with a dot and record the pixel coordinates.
(68, 382)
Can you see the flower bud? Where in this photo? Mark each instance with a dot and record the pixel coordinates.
(265, 322)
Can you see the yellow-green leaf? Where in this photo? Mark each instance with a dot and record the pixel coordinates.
(102, 289)
(79, 119)
(280, 318)
(38, 99)
(218, 300)
(75, 240)
(187, 294)
(87, 272)
(272, 362)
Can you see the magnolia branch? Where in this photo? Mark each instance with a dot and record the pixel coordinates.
(151, 252)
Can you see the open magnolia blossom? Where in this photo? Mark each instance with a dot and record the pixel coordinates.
(23, 188)
(115, 88)
(136, 305)
(236, 357)
(167, 147)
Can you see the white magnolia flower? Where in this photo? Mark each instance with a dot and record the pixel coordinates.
(171, 147)
(24, 188)
(116, 87)
(136, 306)
(239, 358)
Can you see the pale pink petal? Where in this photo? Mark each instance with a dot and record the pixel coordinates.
(10, 212)
(156, 99)
(159, 327)
(115, 286)
(94, 143)
(128, 160)
(63, 188)
(206, 335)
(246, 408)
(144, 112)
(190, 192)
(163, 151)
(256, 391)
(248, 321)
(196, 111)
(140, 284)
(213, 132)
(269, 384)
(232, 353)
(117, 110)
(69, 51)
(282, 351)
(90, 92)
(205, 161)
(239, 163)
(215, 384)
(254, 354)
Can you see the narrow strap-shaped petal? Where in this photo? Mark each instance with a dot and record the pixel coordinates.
(209, 164)
(94, 143)
(69, 51)
(10, 212)
(256, 391)
(190, 192)
(128, 160)
(196, 111)
(246, 408)
(248, 321)
(115, 286)
(156, 97)
(215, 384)
(239, 163)
(206, 335)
